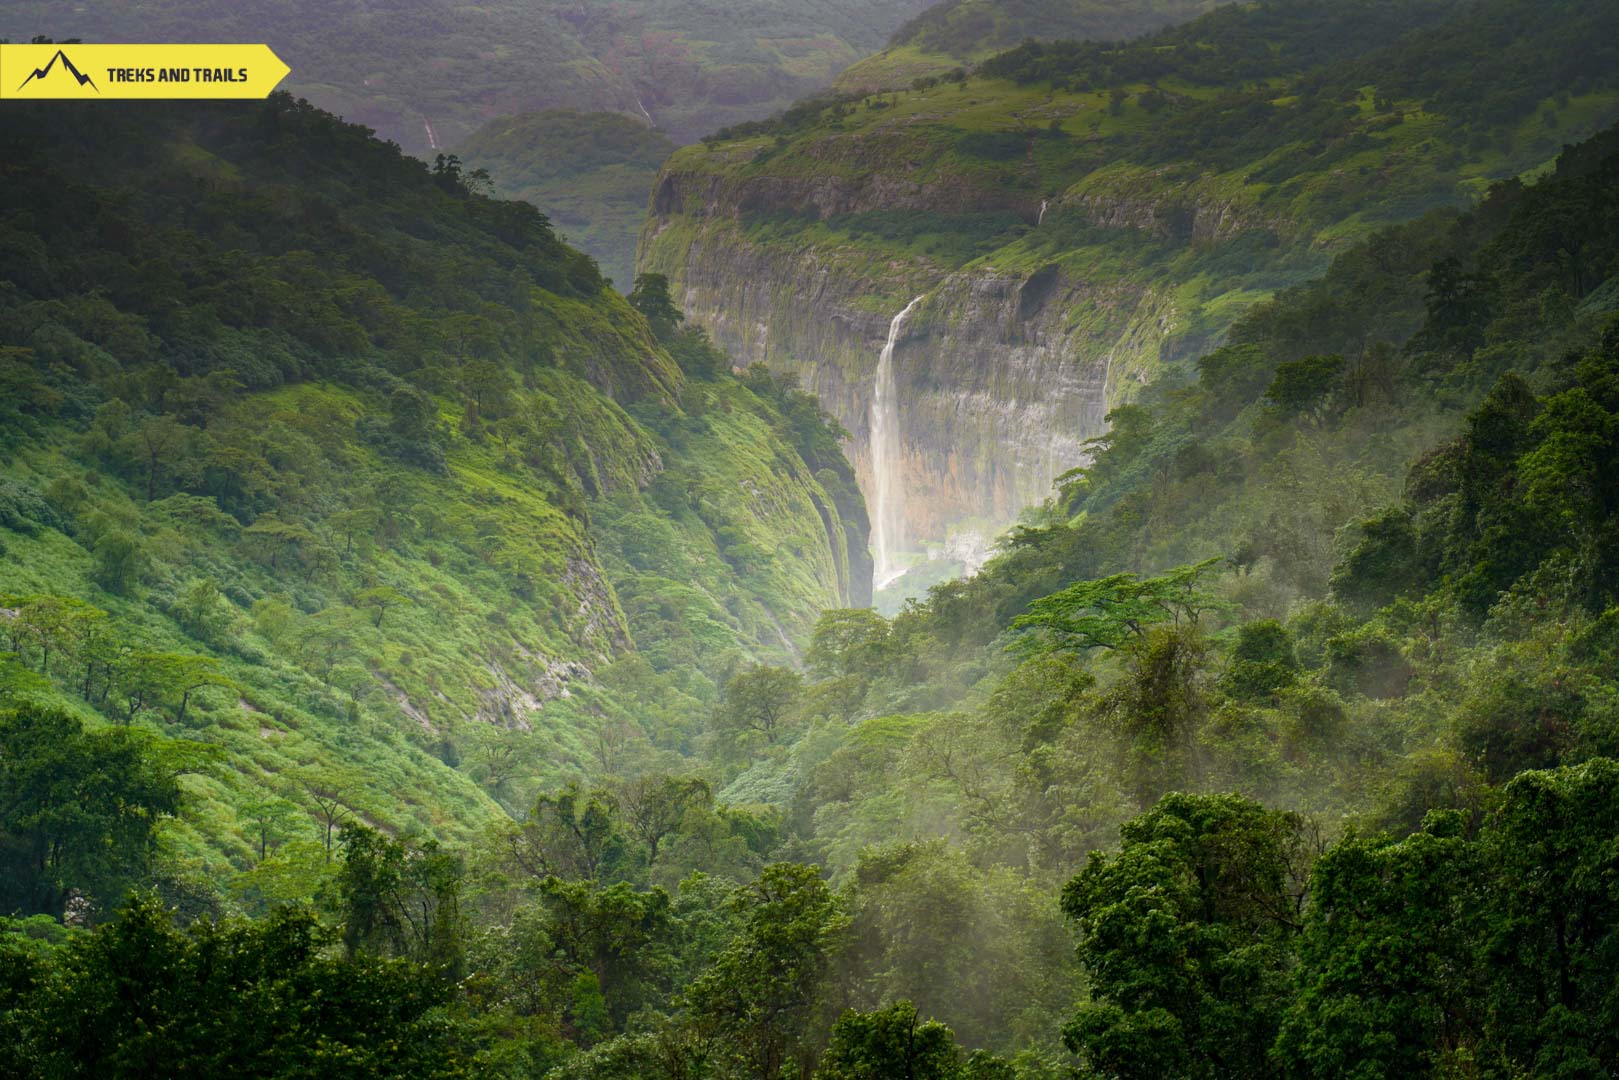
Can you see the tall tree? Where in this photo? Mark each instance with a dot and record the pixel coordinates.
(1186, 934)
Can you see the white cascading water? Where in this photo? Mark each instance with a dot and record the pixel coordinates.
(1042, 216)
(888, 486)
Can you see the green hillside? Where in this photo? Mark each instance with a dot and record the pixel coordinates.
(590, 173)
(958, 32)
(362, 489)
(1272, 135)
(428, 73)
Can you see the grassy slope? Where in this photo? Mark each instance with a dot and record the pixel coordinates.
(515, 564)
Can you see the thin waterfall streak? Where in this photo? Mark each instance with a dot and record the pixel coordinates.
(888, 491)
(1042, 216)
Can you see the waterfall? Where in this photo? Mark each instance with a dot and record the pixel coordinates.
(1042, 216)
(887, 483)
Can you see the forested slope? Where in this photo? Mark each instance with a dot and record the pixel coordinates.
(1357, 568)
(346, 485)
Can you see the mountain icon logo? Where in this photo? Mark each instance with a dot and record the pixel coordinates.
(40, 73)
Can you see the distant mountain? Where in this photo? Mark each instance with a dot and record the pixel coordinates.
(589, 172)
(426, 73)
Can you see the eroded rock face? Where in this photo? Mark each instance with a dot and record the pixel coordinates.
(1000, 385)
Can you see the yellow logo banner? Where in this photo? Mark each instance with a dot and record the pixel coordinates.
(125, 72)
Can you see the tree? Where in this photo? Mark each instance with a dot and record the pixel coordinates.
(651, 298)
(488, 386)
(149, 679)
(980, 949)
(1262, 662)
(120, 560)
(379, 599)
(203, 610)
(1304, 384)
(617, 936)
(1107, 613)
(139, 998)
(328, 637)
(655, 807)
(1186, 936)
(175, 677)
(270, 817)
(759, 702)
(573, 834)
(1386, 967)
(401, 898)
(154, 442)
(759, 993)
(330, 796)
(850, 641)
(1384, 565)
(1549, 959)
(78, 811)
(890, 1044)
(1157, 708)
(52, 625)
(271, 538)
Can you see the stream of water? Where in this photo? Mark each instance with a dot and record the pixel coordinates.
(887, 480)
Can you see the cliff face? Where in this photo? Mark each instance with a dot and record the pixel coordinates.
(1064, 242)
(1002, 372)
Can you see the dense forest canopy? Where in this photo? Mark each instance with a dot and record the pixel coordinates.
(418, 659)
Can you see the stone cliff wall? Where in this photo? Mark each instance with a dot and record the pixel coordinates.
(1002, 376)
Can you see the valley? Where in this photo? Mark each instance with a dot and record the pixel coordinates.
(1048, 558)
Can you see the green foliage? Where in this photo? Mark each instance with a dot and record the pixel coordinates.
(571, 834)
(890, 1042)
(141, 998)
(651, 298)
(589, 171)
(1108, 613)
(760, 991)
(526, 537)
(79, 810)
(346, 470)
(1441, 947)
(1304, 384)
(759, 705)
(1262, 661)
(400, 899)
(1186, 935)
